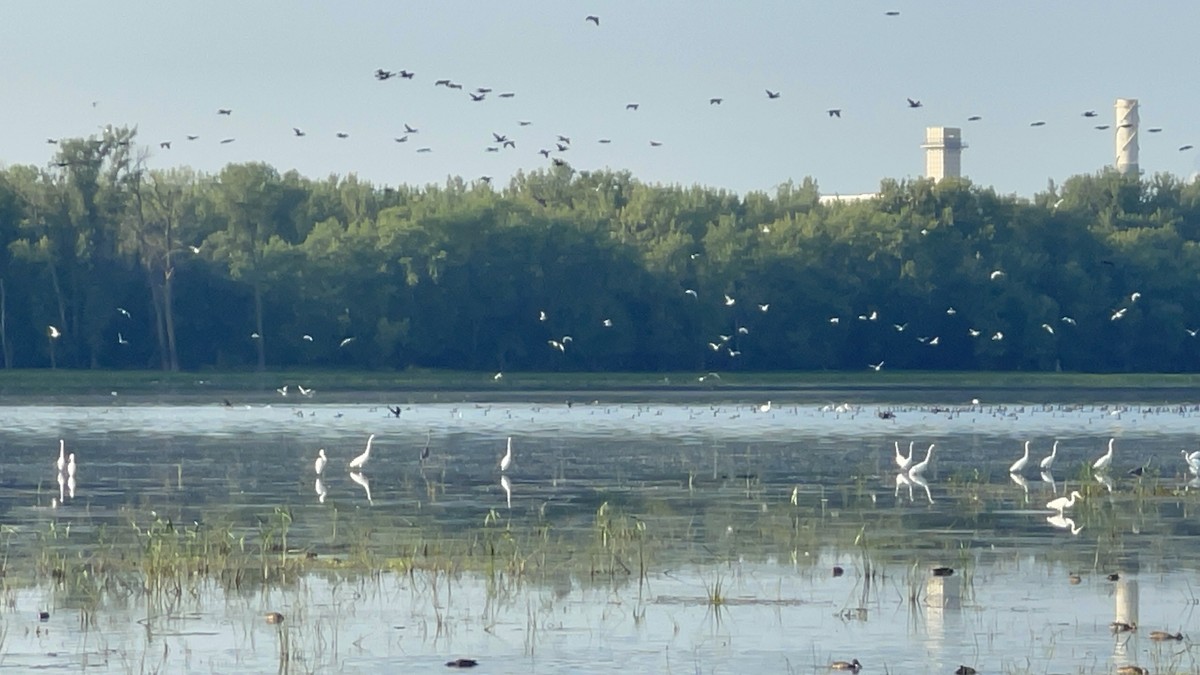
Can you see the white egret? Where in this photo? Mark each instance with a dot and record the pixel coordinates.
(1019, 465)
(321, 491)
(319, 465)
(901, 461)
(506, 460)
(1048, 462)
(506, 485)
(1193, 461)
(919, 467)
(1063, 503)
(366, 484)
(1106, 459)
(62, 456)
(71, 465)
(766, 407)
(361, 461)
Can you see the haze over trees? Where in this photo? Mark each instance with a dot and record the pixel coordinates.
(567, 270)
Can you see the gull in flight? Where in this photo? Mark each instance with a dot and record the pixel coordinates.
(729, 302)
(876, 366)
(764, 307)
(54, 332)
(345, 342)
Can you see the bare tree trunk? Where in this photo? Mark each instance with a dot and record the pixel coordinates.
(168, 301)
(156, 301)
(258, 326)
(4, 347)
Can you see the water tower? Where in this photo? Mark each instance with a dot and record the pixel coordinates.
(943, 152)
(1127, 135)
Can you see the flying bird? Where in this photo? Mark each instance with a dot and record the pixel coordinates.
(345, 342)
(192, 137)
(297, 131)
(876, 366)
(891, 13)
(224, 111)
(773, 94)
(974, 118)
(835, 112)
(715, 101)
(593, 18)
(1101, 127)
(53, 332)
(342, 134)
(913, 103)
(1038, 123)
(226, 141)
(632, 106)
(125, 312)
(1185, 148)
(165, 145)
(409, 130)
(655, 144)
(1090, 113)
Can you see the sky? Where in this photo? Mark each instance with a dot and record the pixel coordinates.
(167, 67)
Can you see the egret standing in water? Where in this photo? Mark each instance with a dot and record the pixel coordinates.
(919, 467)
(506, 460)
(71, 465)
(1063, 503)
(1106, 459)
(62, 456)
(361, 461)
(901, 461)
(1048, 462)
(319, 465)
(1019, 465)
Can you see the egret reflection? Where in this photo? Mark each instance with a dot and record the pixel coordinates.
(321, 491)
(1048, 478)
(362, 480)
(506, 485)
(901, 481)
(917, 480)
(1062, 522)
(1022, 482)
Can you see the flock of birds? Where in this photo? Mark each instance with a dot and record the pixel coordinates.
(555, 147)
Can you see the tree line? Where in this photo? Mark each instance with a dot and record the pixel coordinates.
(106, 263)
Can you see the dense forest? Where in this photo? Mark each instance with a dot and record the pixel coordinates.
(107, 264)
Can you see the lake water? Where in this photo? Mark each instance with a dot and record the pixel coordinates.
(694, 536)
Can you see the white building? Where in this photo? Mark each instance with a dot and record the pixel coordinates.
(943, 152)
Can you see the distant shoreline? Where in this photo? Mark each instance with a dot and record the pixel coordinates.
(329, 385)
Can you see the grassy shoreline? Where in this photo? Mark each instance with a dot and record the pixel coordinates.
(102, 382)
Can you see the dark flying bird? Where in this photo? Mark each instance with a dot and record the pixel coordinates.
(715, 101)
(545, 153)
(1090, 113)
(402, 139)
(593, 18)
(477, 97)
(342, 134)
(484, 90)
(655, 144)
(409, 130)
(192, 137)
(912, 103)
(297, 131)
(406, 74)
(631, 106)
(507, 94)
(224, 111)
(974, 118)
(509, 144)
(165, 145)
(1039, 123)
(524, 123)
(564, 139)
(442, 83)
(891, 13)
(1101, 127)
(226, 140)
(773, 94)
(835, 112)
(500, 138)
(1185, 148)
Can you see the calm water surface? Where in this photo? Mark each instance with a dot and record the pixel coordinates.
(760, 504)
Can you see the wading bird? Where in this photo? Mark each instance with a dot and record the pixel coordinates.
(506, 460)
(62, 456)
(319, 465)
(919, 467)
(901, 461)
(1063, 503)
(1106, 459)
(361, 461)
(1019, 465)
(1048, 462)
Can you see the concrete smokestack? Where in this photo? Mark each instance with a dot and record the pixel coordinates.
(1127, 136)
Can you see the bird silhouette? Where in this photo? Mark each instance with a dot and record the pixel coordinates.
(342, 134)
(593, 18)
(401, 139)
(974, 118)
(1039, 123)
(297, 131)
(715, 101)
(192, 137)
(631, 106)
(224, 111)
(409, 130)
(1090, 113)
(891, 13)
(1185, 148)
(478, 97)
(225, 141)
(442, 83)
(773, 94)
(913, 103)
(835, 112)
(166, 145)
(406, 74)
(507, 94)
(655, 144)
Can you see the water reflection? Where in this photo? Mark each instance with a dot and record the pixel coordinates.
(507, 487)
(366, 484)
(1047, 477)
(322, 492)
(1106, 481)
(1022, 483)
(1063, 523)
(919, 481)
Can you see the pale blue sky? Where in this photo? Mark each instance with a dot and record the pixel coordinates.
(168, 66)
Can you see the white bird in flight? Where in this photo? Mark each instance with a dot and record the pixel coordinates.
(361, 461)
(729, 302)
(345, 342)
(54, 332)
(764, 307)
(876, 366)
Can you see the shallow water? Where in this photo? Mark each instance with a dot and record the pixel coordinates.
(711, 483)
